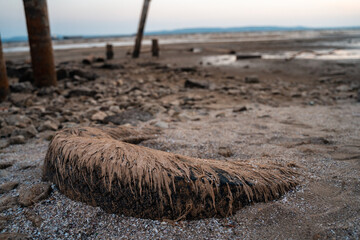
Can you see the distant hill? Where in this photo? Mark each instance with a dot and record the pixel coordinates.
(15, 39)
(226, 30)
(243, 29)
(194, 31)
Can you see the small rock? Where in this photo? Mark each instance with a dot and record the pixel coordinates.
(81, 91)
(153, 108)
(240, 109)
(18, 121)
(4, 173)
(5, 165)
(220, 115)
(21, 87)
(324, 79)
(15, 110)
(192, 83)
(68, 85)
(296, 95)
(225, 152)
(46, 135)
(115, 109)
(25, 166)
(111, 66)
(343, 88)
(99, 59)
(91, 111)
(3, 143)
(162, 124)
(28, 132)
(276, 92)
(132, 116)
(187, 69)
(31, 195)
(37, 110)
(7, 202)
(26, 76)
(20, 139)
(7, 131)
(99, 116)
(47, 91)
(61, 74)
(48, 125)
(21, 99)
(34, 218)
(119, 82)
(82, 74)
(87, 61)
(8, 186)
(252, 79)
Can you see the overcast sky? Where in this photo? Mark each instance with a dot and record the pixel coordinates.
(80, 17)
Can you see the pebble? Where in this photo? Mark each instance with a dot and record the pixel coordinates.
(99, 116)
(240, 109)
(48, 125)
(46, 135)
(8, 186)
(6, 131)
(252, 79)
(33, 194)
(28, 132)
(5, 165)
(20, 139)
(162, 124)
(225, 152)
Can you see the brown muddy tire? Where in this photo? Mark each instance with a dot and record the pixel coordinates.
(96, 167)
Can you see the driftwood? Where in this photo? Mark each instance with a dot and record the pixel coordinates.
(97, 167)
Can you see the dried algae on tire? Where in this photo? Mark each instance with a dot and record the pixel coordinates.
(97, 167)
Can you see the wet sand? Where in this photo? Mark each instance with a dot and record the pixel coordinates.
(299, 112)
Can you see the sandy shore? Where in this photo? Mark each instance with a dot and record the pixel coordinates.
(301, 112)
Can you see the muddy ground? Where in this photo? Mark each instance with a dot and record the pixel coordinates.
(301, 112)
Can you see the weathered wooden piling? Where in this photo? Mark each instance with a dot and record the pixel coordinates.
(139, 36)
(4, 83)
(155, 48)
(109, 51)
(42, 56)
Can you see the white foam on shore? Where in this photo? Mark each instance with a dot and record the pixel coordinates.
(338, 54)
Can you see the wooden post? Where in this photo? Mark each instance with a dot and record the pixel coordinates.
(109, 51)
(155, 48)
(139, 36)
(42, 56)
(4, 83)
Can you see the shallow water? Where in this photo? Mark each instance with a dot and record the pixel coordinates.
(338, 54)
(177, 39)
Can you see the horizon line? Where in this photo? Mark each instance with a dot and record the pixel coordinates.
(194, 30)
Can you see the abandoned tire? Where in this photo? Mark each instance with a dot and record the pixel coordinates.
(97, 167)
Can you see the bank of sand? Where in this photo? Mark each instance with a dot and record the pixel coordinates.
(299, 112)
